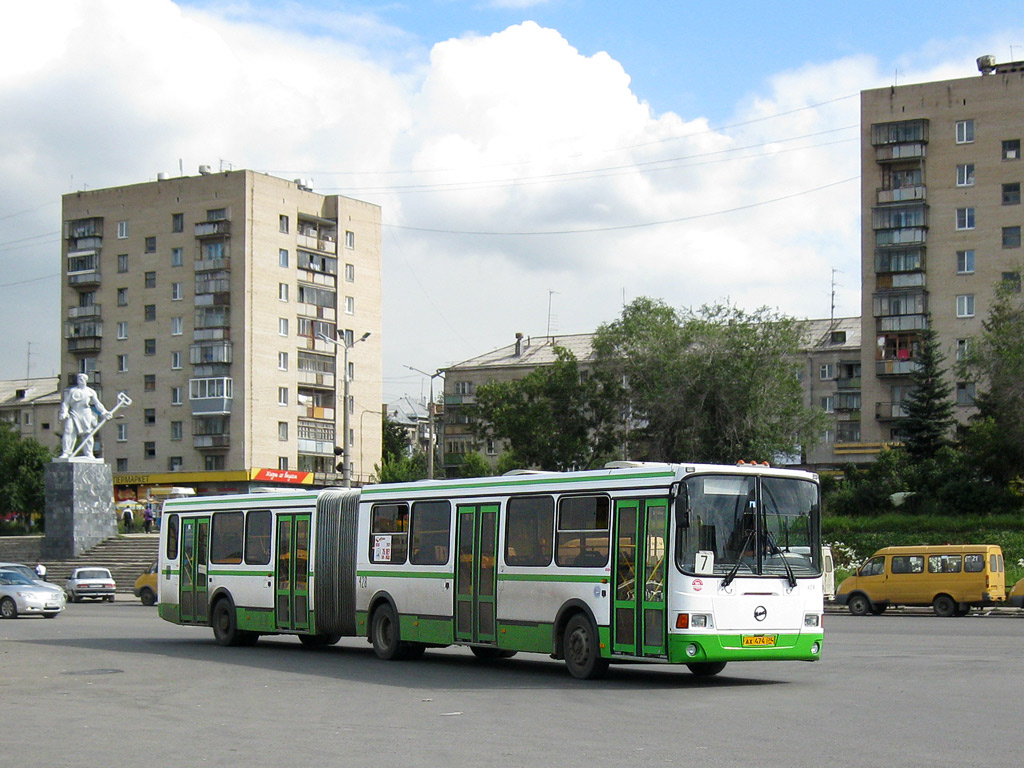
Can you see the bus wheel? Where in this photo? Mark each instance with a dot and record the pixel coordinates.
(385, 634)
(582, 655)
(318, 641)
(943, 605)
(859, 605)
(225, 625)
(706, 668)
(490, 653)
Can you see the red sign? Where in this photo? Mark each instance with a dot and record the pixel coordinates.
(697, 585)
(284, 476)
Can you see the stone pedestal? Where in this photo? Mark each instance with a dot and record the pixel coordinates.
(80, 509)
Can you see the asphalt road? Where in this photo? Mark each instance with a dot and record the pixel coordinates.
(110, 685)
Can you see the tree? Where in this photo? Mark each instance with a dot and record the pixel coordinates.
(996, 361)
(553, 418)
(22, 466)
(929, 406)
(717, 384)
(474, 465)
(401, 469)
(395, 439)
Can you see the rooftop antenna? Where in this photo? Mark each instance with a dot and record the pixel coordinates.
(550, 294)
(832, 311)
(28, 361)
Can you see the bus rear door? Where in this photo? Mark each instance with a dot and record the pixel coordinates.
(476, 573)
(291, 585)
(193, 595)
(638, 615)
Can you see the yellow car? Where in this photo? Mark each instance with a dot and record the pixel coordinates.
(1016, 598)
(145, 586)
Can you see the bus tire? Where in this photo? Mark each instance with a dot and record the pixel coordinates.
(944, 606)
(318, 641)
(706, 668)
(385, 633)
(490, 653)
(580, 648)
(859, 604)
(224, 621)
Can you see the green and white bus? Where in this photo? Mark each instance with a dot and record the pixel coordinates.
(638, 562)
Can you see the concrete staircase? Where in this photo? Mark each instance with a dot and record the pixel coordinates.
(126, 555)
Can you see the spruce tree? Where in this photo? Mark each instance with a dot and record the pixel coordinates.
(929, 406)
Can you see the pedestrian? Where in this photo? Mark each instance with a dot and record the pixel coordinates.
(147, 518)
(41, 570)
(128, 519)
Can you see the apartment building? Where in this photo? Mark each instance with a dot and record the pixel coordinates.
(941, 176)
(225, 306)
(31, 407)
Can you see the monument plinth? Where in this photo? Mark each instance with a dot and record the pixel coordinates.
(80, 509)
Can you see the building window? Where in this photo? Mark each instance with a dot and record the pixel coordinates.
(350, 239)
(965, 393)
(177, 222)
(282, 395)
(176, 396)
(149, 450)
(213, 463)
(350, 305)
(149, 382)
(965, 218)
(964, 131)
(282, 430)
(150, 278)
(965, 305)
(282, 257)
(122, 363)
(965, 262)
(282, 224)
(282, 291)
(827, 404)
(122, 465)
(282, 326)
(282, 361)
(177, 257)
(176, 430)
(1011, 149)
(122, 297)
(282, 462)
(174, 464)
(1011, 193)
(122, 262)
(963, 348)
(965, 175)
(122, 330)
(150, 245)
(149, 416)
(149, 312)
(1011, 237)
(122, 230)
(122, 433)
(177, 291)
(1011, 281)
(827, 372)
(216, 214)
(175, 361)
(350, 273)
(150, 346)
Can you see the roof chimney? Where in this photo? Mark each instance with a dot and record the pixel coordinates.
(519, 344)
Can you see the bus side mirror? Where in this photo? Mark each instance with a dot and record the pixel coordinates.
(682, 511)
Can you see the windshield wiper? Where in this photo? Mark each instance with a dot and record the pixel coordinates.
(735, 569)
(790, 576)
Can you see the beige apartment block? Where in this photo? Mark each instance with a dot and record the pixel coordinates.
(205, 299)
(941, 176)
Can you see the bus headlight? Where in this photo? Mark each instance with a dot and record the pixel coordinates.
(812, 620)
(700, 620)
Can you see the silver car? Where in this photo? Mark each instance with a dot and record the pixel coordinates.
(91, 582)
(20, 595)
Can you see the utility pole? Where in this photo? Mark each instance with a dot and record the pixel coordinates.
(430, 419)
(346, 458)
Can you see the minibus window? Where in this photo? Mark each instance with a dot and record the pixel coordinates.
(974, 563)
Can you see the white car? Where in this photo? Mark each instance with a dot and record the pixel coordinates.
(92, 582)
(20, 595)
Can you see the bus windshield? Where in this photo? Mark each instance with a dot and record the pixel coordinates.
(762, 526)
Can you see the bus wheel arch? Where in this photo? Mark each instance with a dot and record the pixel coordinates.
(565, 614)
(578, 641)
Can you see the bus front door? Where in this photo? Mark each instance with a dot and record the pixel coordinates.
(640, 578)
(193, 590)
(291, 570)
(476, 574)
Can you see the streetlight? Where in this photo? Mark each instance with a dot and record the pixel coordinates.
(346, 459)
(430, 418)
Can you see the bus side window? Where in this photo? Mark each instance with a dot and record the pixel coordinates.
(431, 532)
(226, 538)
(582, 536)
(529, 523)
(974, 563)
(172, 537)
(257, 537)
(389, 533)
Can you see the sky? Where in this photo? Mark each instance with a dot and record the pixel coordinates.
(538, 162)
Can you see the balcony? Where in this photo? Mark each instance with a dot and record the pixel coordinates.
(889, 411)
(315, 412)
(86, 277)
(207, 265)
(902, 323)
(209, 442)
(213, 299)
(902, 236)
(95, 379)
(900, 280)
(210, 406)
(850, 382)
(315, 242)
(902, 194)
(86, 344)
(891, 153)
(75, 313)
(896, 367)
(313, 379)
(220, 228)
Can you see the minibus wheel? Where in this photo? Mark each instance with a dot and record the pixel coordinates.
(859, 604)
(944, 605)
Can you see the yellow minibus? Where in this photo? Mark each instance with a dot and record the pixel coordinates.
(950, 578)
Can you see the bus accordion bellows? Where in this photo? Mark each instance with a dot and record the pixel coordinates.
(693, 564)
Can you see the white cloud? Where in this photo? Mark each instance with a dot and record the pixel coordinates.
(514, 132)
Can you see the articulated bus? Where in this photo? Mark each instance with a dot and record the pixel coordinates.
(693, 564)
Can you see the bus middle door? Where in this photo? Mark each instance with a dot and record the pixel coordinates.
(193, 591)
(476, 573)
(640, 577)
(291, 570)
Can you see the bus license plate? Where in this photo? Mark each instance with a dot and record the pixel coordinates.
(759, 641)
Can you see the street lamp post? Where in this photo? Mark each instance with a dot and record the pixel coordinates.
(346, 458)
(430, 419)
